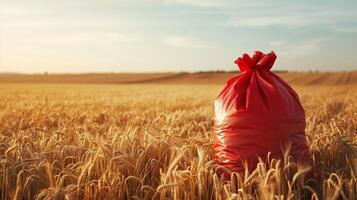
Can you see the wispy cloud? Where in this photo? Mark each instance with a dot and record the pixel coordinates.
(352, 29)
(299, 48)
(12, 10)
(263, 14)
(180, 41)
(80, 38)
(291, 18)
(63, 23)
(287, 14)
(196, 3)
(265, 21)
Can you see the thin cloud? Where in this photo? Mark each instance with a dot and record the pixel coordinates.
(61, 23)
(180, 41)
(221, 4)
(293, 21)
(293, 15)
(263, 14)
(289, 21)
(301, 48)
(81, 38)
(12, 10)
(346, 29)
(195, 3)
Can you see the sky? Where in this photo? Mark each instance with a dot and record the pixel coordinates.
(78, 36)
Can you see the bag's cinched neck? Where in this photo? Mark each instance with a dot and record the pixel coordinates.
(258, 61)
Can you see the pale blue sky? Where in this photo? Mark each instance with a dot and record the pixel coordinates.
(174, 35)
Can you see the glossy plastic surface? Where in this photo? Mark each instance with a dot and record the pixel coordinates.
(257, 113)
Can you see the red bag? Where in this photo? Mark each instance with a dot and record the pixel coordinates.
(257, 113)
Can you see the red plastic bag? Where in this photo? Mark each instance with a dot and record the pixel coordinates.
(257, 113)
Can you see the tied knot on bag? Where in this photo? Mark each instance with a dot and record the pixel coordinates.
(258, 61)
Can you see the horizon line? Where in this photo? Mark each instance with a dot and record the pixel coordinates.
(163, 72)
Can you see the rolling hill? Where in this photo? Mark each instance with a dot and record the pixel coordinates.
(295, 78)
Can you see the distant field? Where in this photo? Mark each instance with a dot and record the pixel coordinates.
(295, 78)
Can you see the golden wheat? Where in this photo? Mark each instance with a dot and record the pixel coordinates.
(155, 142)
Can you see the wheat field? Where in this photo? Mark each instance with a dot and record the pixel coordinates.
(155, 142)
